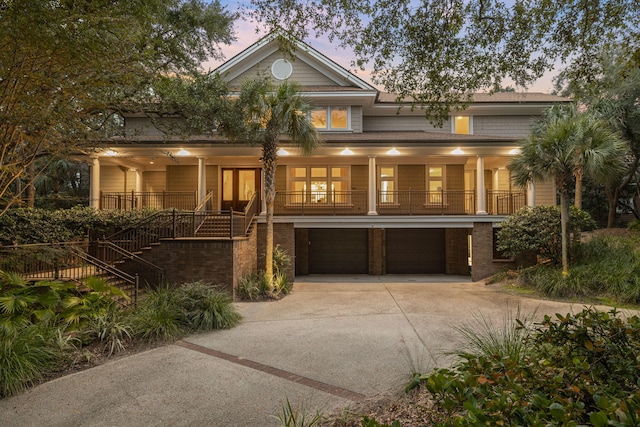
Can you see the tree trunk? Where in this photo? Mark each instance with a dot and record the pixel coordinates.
(564, 222)
(269, 164)
(578, 196)
(612, 198)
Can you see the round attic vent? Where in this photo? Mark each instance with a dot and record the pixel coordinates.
(281, 69)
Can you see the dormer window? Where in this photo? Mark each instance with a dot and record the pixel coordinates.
(462, 125)
(331, 118)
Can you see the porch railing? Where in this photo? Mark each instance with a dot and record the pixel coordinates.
(184, 200)
(68, 261)
(325, 203)
(417, 202)
(505, 202)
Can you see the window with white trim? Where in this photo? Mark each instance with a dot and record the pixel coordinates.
(331, 118)
(387, 176)
(435, 184)
(319, 184)
(462, 125)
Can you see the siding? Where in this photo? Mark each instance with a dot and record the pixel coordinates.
(212, 183)
(455, 177)
(281, 178)
(182, 178)
(154, 181)
(545, 193)
(356, 119)
(302, 73)
(411, 177)
(519, 126)
(112, 179)
(360, 177)
(399, 123)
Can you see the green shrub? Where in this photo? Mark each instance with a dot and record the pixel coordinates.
(28, 225)
(26, 355)
(254, 286)
(604, 266)
(579, 369)
(207, 308)
(159, 315)
(169, 312)
(112, 330)
(537, 229)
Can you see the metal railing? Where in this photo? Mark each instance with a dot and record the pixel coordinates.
(419, 202)
(186, 200)
(67, 261)
(130, 262)
(505, 202)
(325, 203)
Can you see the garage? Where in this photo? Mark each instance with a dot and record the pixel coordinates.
(415, 251)
(338, 251)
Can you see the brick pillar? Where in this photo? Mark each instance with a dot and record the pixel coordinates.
(482, 251)
(377, 252)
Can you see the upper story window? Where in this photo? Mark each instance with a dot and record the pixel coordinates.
(331, 118)
(462, 125)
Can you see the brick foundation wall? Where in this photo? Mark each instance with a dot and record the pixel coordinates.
(219, 262)
(283, 235)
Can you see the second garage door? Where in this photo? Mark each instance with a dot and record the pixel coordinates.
(415, 251)
(338, 251)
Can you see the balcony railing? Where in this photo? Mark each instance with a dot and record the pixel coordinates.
(415, 202)
(183, 200)
(505, 202)
(327, 203)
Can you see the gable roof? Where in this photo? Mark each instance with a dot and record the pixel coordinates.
(267, 49)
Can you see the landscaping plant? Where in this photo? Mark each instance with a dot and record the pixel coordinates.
(579, 369)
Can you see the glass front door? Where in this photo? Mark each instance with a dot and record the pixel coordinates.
(238, 187)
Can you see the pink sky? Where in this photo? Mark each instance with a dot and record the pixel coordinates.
(246, 35)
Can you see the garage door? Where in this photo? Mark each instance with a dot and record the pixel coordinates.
(415, 251)
(338, 251)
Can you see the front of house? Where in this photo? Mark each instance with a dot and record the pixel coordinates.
(387, 192)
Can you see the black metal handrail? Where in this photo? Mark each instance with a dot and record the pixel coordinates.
(112, 254)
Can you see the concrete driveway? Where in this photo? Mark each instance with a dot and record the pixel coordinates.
(333, 341)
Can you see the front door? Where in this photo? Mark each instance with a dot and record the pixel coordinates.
(238, 187)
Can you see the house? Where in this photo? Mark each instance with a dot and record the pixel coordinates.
(387, 192)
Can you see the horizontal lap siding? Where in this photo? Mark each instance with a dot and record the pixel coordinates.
(411, 177)
(455, 177)
(182, 178)
(519, 126)
(154, 181)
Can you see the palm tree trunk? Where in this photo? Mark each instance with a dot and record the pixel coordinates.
(578, 196)
(269, 164)
(564, 219)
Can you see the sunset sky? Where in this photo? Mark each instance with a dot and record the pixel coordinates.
(246, 35)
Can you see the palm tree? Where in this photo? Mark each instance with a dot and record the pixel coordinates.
(267, 112)
(564, 148)
(598, 147)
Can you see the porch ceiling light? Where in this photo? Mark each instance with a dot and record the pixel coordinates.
(282, 152)
(393, 152)
(183, 152)
(346, 152)
(515, 151)
(458, 151)
(110, 153)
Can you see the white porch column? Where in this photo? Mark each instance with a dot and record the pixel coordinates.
(94, 188)
(480, 201)
(202, 179)
(495, 182)
(138, 181)
(531, 194)
(373, 181)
